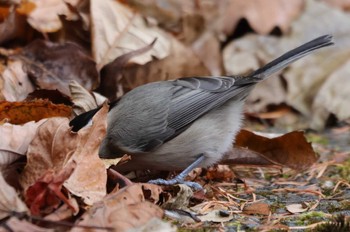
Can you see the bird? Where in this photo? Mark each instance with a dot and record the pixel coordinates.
(181, 124)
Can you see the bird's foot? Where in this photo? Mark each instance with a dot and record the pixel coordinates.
(176, 180)
(180, 179)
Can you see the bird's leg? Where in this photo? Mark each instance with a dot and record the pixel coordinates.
(180, 179)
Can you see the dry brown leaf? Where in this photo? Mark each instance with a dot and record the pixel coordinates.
(22, 112)
(9, 200)
(296, 208)
(89, 178)
(262, 15)
(15, 140)
(53, 65)
(14, 26)
(45, 194)
(54, 96)
(83, 100)
(245, 156)
(182, 62)
(215, 216)
(180, 198)
(257, 208)
(291, 150)
(112, 73)
(117, 30)
(16, 224)
(341, 4)
(220, 172)
(124, 210)
(44, 17)
(55, 146)
(14, 82)
(208, 49)
(302, 81)
(333, 97)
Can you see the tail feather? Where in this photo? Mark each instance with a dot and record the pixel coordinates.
(291, 56)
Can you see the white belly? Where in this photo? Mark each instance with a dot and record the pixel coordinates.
(212, 135)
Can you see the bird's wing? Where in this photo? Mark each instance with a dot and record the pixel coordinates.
(191, 98)
(196, 96)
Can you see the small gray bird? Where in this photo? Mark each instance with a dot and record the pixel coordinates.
(186, 123)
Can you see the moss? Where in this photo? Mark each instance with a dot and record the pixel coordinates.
(344, 170)
(314, 138)
(310, 218)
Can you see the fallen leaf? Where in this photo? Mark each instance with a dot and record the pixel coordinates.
(156, 224)
(262, 15)
(300, 84)
(220, 172)
(291, 150)
(332, 97)
(245, 156)
(22, 112)
(15, 224)
(215, 216)
(44, 17)
(15, 84)
(55, 146)
(53, 66)
(117, 30)
(83, 99)
(123, 210)
(54, 96)
(45, 194)
(15, 140)
(181, 195)
(296, 208)
(182, 62)
(14, 26)
(208, 49)
(112, 73)
(341, 4)
(90, 177)
(257, 208)
(9, 200)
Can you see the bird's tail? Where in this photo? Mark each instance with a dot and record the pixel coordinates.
(291, 56)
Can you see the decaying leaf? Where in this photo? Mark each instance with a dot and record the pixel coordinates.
(9, 200)
(215, 216)
(300, 84)
(220, 172)
(15, 140)
(257, 208)
(180, 199)
(55, 146)
(44, 16)
(341, 4)
(83, 100)
(14, 26)
(45, 194)
(16, 224)
(14, 82)
(332, 97)
(125, 209)
(296, 208)
(182, 62)
(117, 30)
(291, 150)
(53, 96)
(90, 176)
(263, 15)
(22, 112)
(53, 66)
(112, 73)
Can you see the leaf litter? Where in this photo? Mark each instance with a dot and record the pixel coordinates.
(70, 52)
